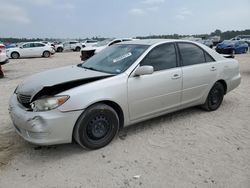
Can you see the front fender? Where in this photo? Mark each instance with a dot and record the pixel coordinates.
(112, 89)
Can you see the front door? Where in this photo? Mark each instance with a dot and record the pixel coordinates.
(150, 95)
(27, 50)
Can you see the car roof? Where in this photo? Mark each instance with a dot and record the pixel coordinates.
(31, 42)
(151, 42)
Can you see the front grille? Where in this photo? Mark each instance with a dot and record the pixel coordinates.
(24, 100)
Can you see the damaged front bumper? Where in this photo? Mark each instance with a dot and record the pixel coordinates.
(43, 128)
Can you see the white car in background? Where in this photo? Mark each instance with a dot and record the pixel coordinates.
(88, 52)
(59, 47)
(30, 49)
(208, 42)
(245, 38)
(89, 43)
(3, 56)
(68, 46)
(72, 45)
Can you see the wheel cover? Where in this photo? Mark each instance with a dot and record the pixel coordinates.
(215, 98)
(15, 55)
(98, 127)
(46, 54)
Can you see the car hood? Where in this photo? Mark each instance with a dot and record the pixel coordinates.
(58, 80)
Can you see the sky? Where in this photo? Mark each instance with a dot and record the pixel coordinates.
(120, 18)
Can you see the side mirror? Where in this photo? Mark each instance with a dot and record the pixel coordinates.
(21, 47)
(144, 70)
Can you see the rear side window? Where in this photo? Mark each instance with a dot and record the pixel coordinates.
(191, 54)
(39, 45)
(91, 41)
(161, 57)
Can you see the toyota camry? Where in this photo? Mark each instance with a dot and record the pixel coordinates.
(124, 84)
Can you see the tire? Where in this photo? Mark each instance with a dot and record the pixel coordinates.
(46, 54)
(78, 49)
(215, 97)
(246, 50)
(233, 52)
(96, 127)
(59, 49)
(15, 55)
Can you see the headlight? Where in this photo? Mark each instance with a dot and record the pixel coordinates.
(48, 103)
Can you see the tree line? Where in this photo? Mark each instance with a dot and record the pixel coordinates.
(224, 36)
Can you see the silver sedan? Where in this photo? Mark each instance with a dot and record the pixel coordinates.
(124, 84)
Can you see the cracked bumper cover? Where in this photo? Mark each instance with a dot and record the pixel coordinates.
(42, 128)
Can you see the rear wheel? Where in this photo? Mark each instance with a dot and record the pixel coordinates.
(15, 55)
(59, 49)
(215, 97)
(46, 54)
(96, 127)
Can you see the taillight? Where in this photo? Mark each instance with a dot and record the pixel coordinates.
(2, 47)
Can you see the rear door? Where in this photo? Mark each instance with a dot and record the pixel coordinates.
(199, 72)
(38, 49)
(149, 95)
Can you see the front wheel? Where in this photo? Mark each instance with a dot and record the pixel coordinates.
(78, 49)
(15, 55)
(96, 127)
(215, 97)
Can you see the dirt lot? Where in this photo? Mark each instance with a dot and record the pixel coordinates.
(190, 148)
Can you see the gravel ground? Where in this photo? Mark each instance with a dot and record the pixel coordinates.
(189, 148)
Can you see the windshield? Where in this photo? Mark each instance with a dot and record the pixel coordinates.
(115, 59)
(103, 43)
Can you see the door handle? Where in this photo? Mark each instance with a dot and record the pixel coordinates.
(176, 76)
(213, 69)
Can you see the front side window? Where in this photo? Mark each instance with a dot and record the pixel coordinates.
(28, 45)
(161, 57)
(115, 59)
(191, 54)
